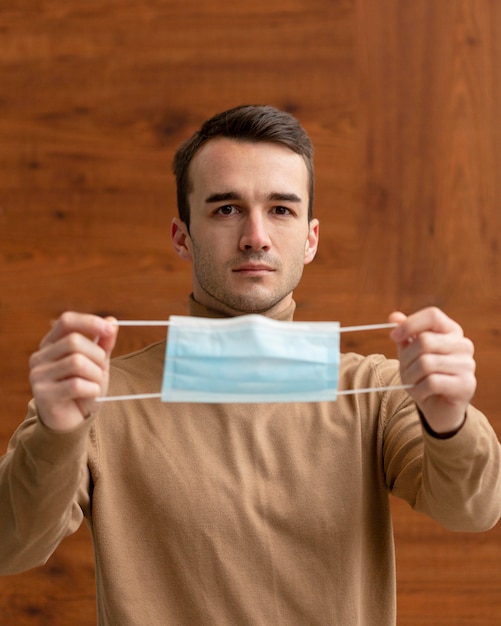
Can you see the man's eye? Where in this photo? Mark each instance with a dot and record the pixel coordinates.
(281, 210)
(227, 209)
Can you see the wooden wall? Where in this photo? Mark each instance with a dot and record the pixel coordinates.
(402, 99)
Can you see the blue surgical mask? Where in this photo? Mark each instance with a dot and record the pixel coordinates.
(250, 358)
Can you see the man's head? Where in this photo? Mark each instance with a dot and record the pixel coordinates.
(248, 203)
(247, 123)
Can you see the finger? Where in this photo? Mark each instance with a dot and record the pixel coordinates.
(72, 366)
(73, 343)
(57, 385)
(461, 366)
(108, 340)
(435, 344)
(86, 324)
(429, 319)
(69, 389)
(397, 317)
(450, 388)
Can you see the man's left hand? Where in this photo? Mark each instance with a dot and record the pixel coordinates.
(437, 360)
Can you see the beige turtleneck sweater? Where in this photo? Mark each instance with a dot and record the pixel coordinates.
(262, 515)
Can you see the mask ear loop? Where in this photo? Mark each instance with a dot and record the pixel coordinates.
(342, 329)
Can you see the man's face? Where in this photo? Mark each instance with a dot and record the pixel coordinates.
(249, 234)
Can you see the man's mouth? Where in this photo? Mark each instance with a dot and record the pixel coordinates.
(255, 269)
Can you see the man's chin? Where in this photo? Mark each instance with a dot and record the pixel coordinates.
(248, 299)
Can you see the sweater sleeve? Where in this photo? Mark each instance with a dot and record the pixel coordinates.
(464, 470)
(44, 486)
(455, 481)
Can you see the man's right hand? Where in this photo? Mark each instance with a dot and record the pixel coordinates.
(71, 369)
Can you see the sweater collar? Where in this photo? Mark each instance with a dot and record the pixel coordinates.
(199, 310)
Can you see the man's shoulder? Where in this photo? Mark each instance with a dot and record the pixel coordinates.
(143, 362)
(374, 369)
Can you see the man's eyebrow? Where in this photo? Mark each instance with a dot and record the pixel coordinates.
(284, 197)
(222, 197)
(227, 196)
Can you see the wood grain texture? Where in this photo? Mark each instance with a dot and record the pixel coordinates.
(429, 197)
(402, 100)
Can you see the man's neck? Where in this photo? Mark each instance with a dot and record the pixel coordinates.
(199, 310)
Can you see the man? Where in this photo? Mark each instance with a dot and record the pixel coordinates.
(244, 513)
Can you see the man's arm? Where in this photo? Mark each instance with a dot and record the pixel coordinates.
(453, 471)
(44, 476)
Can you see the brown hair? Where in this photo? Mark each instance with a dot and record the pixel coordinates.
(253, 123)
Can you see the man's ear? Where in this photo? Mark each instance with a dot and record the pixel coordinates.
(181, 239)
(311, 245)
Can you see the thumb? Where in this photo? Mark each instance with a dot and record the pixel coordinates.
(108, 339)
(397, 317)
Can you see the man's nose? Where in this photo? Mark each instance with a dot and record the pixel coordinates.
(255, 234)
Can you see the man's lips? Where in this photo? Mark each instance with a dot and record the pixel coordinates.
(250, 268)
